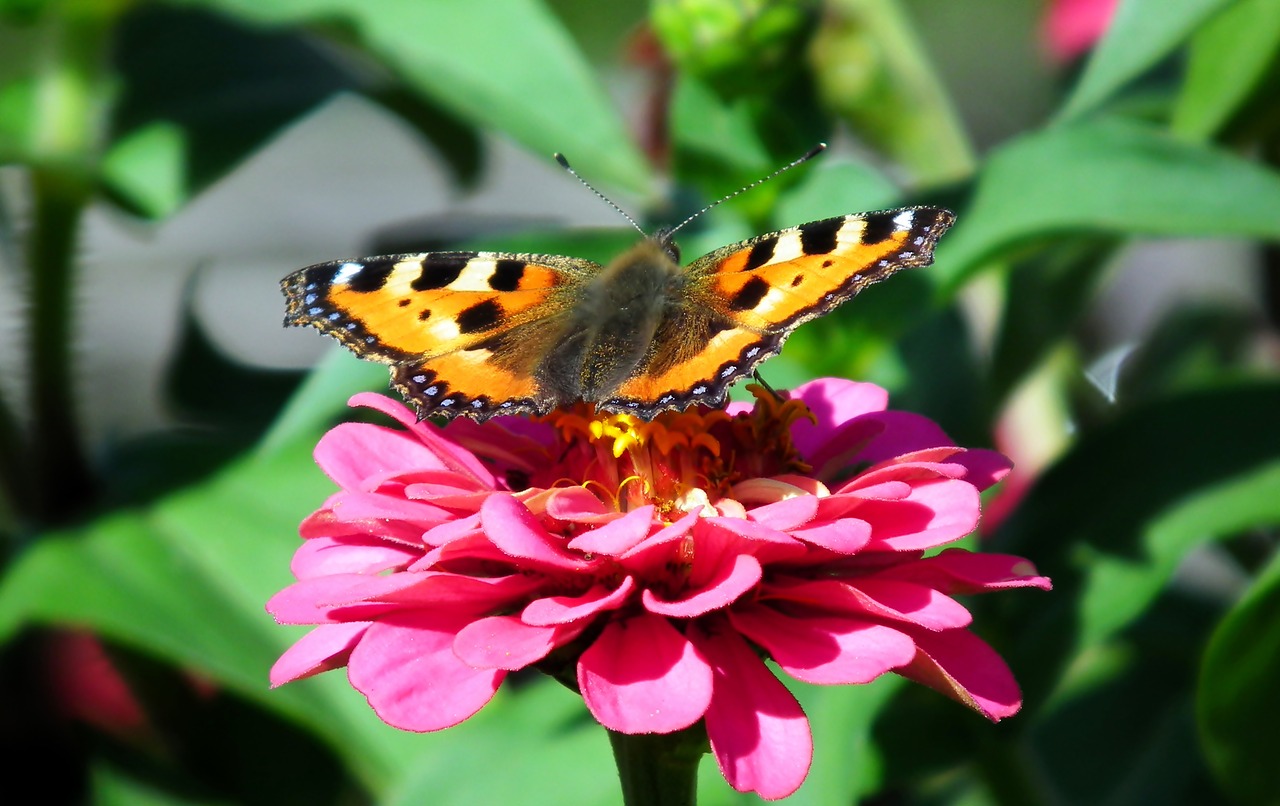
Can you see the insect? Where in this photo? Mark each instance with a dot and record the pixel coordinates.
(488, 333)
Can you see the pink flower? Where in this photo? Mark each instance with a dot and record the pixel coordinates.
(652, 564)
(1073, 26)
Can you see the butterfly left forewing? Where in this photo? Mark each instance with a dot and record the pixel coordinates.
(445, 320)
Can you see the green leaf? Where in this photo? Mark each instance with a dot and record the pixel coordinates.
(1230, 57)
(186, 580)
(198, 94)
(1112, 519)
(1045, 297)
(572, 762)
(508, 65)
(1107, 176)
(1141, 33)
(1239, 702)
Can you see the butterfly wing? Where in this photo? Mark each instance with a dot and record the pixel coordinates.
(746, 298)
(463, 331)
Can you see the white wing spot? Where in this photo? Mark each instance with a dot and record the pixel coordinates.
(448, 401)
(699, 390)
(346, 271)
(431, 391)
(752, 352)
(904, 219)
(727, 371)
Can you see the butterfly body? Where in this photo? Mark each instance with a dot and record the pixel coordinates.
(488, 333)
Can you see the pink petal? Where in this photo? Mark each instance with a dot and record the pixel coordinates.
(825, 649)
(362, 554)
(448, 455)
(617, 536)
(327, 599)
(553, 610)
(669, 533)
(513, 528)
(833, 402)
(324, 648)
(962, 666)
(503, 642)
(450, 531)
(406, 667)
(957, 571)
(937, 512)
(370, 513)
(643, 676)
(787, 514)
(351, 453)
(734, 578)
(844, 536)
(880, 598)
(758, 732)
(578, 505)
(983, 467)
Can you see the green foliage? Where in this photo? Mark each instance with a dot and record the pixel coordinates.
(1154, 503)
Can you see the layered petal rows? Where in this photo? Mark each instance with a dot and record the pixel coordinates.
(653, 564)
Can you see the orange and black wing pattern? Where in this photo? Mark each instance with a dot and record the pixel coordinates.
(444, 320)
(746, 298)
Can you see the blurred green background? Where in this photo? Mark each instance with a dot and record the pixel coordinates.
(1105, 312)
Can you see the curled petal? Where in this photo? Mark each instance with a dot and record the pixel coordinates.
(324, 648)
(399, 654)
(826, 649)
(643, 676)
(733, 579)
(881, 598)
(937, 512)
(353, 554)
(326, 599)
(578, 505)
(843, 536)
(448, 454)
(352, 453)
(568, 609)
(787, 514)
(758, 732)
(962, 666)
(513, 528)
(617, 536)
(503, 642)
(957, 571)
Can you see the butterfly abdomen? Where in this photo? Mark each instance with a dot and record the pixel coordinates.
(610, 332)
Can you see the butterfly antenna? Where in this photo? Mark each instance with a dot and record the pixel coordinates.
(810, 154)
(564, 163)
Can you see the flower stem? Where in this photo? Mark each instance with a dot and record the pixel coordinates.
(69, 117)
(659, 769)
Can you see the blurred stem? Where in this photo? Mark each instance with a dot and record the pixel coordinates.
(659, 769)
(70, 92)
(873, 69)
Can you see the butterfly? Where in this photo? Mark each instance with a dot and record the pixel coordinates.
(488, 333)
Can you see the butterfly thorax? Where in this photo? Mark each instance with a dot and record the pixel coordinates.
(610, 332)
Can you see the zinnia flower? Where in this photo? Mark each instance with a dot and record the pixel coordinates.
(652, 565)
